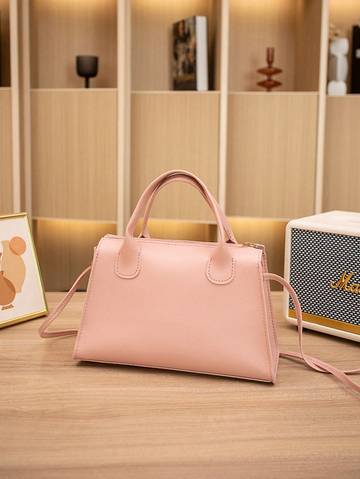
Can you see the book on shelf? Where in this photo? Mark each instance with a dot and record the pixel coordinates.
(190, 54)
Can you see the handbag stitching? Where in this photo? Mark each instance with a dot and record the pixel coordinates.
(199, 244)
(221, 281)
(128, 276)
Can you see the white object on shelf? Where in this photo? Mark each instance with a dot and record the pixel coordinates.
(336, 88)
(338, 66)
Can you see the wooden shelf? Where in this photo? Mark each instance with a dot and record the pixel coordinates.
(274, 93)
(175, 92)
(271, 155)
(87, 155)
(73, 89)
(6, 171)
(293, 28)
(74, 154)
(342, 166)
(175, 132)
(151, 42)
(65, 248)
(61, 30)
(4, 44)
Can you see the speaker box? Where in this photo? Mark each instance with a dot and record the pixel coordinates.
(322, 263)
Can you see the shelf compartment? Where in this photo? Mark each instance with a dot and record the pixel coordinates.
(60, 30)
(271, 155)
(74, 160)
(65, 248)
(292, 27)
(268, 232)
(342, 166)
(6, 189)
(175, 132)
(151, 41)
(4, 44)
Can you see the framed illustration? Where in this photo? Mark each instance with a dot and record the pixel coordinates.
(21, 289)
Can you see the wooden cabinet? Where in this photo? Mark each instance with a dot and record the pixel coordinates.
(73, 157)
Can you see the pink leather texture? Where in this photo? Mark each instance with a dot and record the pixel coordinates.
(192, 306)
(171, 316)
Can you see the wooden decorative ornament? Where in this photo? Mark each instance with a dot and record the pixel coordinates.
(269, 83)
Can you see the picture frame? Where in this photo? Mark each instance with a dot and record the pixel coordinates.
(22, 295)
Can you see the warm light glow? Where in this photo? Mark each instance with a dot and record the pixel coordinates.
(182, 230)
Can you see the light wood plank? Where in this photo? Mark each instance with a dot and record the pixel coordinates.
(175, 131)
(342, 166)
(152, 39)
(320, 140)
(292, 27)
(74, 154)
(123, 113)
(271, 154)
(65, 248)
(60, 30)
(6, 174)
(15, 106)
(62, 420)
(307, 45)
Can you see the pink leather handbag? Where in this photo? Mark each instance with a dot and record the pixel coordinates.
(183, 305)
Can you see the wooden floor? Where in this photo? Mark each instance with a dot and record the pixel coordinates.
(66, 420)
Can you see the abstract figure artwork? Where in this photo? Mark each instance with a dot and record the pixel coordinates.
(21, 292)
(13, 270)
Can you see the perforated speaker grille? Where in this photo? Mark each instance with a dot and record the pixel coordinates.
(316, 260)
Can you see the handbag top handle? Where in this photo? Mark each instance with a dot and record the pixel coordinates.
(145, 232)
(220, 268)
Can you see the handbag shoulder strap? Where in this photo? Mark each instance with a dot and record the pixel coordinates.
(43, 330)
(313, 363)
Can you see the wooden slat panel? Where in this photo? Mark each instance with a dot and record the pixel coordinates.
(151, 42)
(271, 154)
(6, 180)
(74, 154)
(342, 165)
(60, 30)
(65, 248)
(307, 45)
(175, 131)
